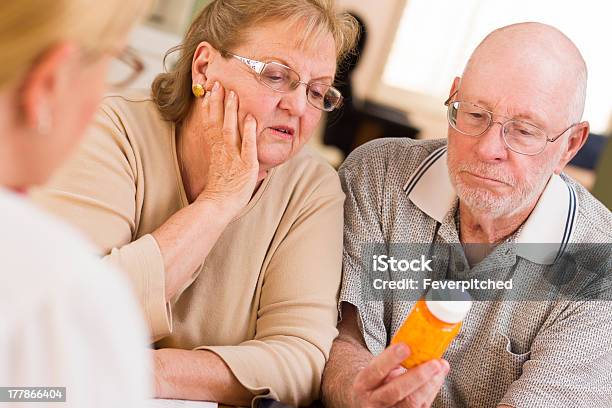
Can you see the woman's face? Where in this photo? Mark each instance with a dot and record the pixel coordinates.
(290, 111)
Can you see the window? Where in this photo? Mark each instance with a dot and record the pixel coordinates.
(435, 38)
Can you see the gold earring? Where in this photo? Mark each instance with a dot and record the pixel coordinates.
(198, 90)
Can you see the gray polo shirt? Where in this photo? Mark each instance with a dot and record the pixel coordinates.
(531, 352)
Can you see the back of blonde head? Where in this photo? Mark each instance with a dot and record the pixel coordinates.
(225, 23)
(29, 27)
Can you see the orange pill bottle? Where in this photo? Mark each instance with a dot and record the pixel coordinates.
(432, 325)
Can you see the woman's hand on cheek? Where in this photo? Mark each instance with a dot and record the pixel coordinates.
(233, 165)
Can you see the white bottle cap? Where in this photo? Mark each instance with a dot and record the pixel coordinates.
(448, 305)
(449, 311)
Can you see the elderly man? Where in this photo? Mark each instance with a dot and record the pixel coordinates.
(514, 121)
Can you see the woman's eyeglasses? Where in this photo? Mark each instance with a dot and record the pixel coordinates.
(281, 78)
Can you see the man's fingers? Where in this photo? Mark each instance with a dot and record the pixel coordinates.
(403, 386)
(230, 120)
(379, 368)
(249, 140)
(425, 394)
(396, 372)
(432, 389)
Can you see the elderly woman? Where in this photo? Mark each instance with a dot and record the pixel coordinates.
(56, 327)
(203, 193)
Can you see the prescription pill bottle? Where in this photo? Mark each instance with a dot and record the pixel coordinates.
(432, 325)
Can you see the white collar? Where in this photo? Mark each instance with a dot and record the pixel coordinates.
(551, 222)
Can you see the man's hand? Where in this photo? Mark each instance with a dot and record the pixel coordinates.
(354, 378)
(383, 383)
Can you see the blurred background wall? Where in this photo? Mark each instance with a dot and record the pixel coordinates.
(412, 51)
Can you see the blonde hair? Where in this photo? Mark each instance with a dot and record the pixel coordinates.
(29, 27)
(225, 24)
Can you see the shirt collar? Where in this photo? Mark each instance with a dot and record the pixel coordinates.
(552, 221)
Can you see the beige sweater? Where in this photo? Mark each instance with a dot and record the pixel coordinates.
(264, 298)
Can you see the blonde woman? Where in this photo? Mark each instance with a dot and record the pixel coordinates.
(203, 192)
(65, 320)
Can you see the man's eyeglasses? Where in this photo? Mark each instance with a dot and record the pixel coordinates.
(520, 137)
(281, 78)
(125, 67)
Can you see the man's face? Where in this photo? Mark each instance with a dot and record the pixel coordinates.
(488, 177)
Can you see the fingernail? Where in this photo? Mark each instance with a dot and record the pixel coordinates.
(231, 94)
(401, 350)
(436, 366)
(445, 366)
(216, 86)
(249, 117)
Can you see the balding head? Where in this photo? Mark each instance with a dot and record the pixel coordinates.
(527, 72)
(538, 52)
